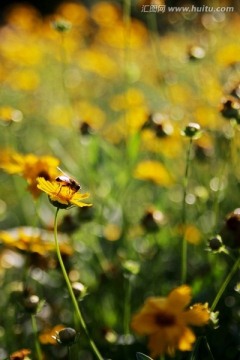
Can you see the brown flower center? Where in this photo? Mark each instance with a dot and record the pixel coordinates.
(165, 319)
(44, 174)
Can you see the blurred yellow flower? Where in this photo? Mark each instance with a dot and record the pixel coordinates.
(75, 12)
(135, 37)
(105, 13)
(153, 171)
(29, 167)
(9, 114)
(23, 17)
(207, 117)
(132, 98)
(47, 336)
(20, 354)
(112, 232)
(24, 79)
(21, 53)
(228, 54)
(192, 234)
(91, 114)
(60, 114)
(34, 240)
(61, 195)
(169, 145)
(166, 321)
(98, 61)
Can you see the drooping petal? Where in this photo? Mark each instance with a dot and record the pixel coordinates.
(186, 340)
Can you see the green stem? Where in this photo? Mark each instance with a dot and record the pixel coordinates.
(184, 240)
(71, 293)
(36, 342)
(225, 283)
(127, 305)
(69, 352)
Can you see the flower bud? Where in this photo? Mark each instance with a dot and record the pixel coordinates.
(231, 230)
(131, 267)
(79, 290)
(62, 25)
(152, 220)
(231, 108)
(66, 336)
(196, 53)
(31, 304)
(215, 243)
(192, 130)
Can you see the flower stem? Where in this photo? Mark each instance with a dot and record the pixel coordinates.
(184, 240)
(36, 342)
(127, 304)
(71, 293)
(225, 283)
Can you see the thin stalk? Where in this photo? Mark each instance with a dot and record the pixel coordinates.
(71, 293)
(69, 352)
(126, 314)
(225, 283)
(127, 23)
(126, 54)
(36, 342)
(127, 305)
(184, 240)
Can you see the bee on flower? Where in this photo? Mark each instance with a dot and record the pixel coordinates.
(63, 191)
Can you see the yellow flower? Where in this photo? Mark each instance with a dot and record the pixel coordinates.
(34, 240)
(62, 195)
(153, 171)
(9, 114)
(47, 336)
(20, 354)
(29, 167)
(166, 321)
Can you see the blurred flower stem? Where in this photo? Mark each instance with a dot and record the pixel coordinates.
(71, 293)
(228, 162)
(184, 240)
(128, 290)
(127, 24)
(36, 342)
(235, 267)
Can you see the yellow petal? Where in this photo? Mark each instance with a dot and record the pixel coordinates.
(179, 298)
(197, 315)
(186, 340)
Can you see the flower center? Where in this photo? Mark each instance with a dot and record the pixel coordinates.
(165, 319)
(44, 174)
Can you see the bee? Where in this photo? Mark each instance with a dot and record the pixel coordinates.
(65, 180)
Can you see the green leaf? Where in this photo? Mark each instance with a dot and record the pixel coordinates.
(141, 356)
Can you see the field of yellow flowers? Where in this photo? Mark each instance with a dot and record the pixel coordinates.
(119, 173)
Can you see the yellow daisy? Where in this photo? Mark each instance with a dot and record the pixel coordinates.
(61, 195)
(30, 167)
(154, 171)
(166, 321)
